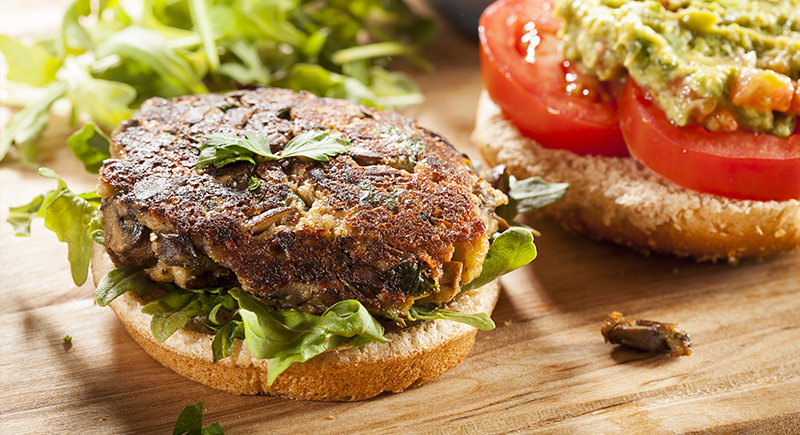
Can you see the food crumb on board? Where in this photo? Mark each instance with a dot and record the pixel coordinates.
(646, 335)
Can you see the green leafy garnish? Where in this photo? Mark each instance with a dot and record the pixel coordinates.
(110, 56)
(222, 346)
(222, 149)
(510, 250)
(529, 194)
(190, 422)
(282, 336)
(119, 281)
(21, 217)
(74, 218)
(29, 64)
(481, 321)
(315, 145)
(25, 126)
(292, 336)
(90, 146)
(174, 309)
(254, 183)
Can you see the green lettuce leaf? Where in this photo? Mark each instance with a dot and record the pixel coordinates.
(190, 422)
(510, 250)
(481, 321)
(285, 337)
(119, 281)
(90, 146)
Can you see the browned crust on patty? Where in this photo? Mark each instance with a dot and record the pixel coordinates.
(620, 200)
(415, 355)
(400, 193)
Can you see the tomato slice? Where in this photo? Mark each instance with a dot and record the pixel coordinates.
(544, 95)
(741, 164)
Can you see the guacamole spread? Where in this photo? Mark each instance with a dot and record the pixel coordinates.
(724, 64)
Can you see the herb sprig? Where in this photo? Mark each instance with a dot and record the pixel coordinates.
(223, 149)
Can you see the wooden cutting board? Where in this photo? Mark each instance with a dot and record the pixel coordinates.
(544, 369)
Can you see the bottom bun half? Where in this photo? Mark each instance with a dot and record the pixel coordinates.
(620, 200)
(415, 355)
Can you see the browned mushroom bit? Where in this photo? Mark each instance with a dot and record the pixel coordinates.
(646, 335)
(401, 216)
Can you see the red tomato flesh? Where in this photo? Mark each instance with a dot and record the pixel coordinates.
(740, 164)
(543, 95)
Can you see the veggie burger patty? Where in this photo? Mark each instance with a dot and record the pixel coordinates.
(400, 216)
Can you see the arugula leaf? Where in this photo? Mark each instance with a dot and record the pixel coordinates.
(74, 37)
(222, 149)
(378, 49)
(21, 217)
(222, 346)
(113, 58)
(122, 280)
(90, 146)
(251, 69)
(30, 64)
(481, 321)
(70, 216)
(151, 49)
(201, 22)
(74, 218)
(529, 194)
(316, 145)
(190, 422)
(174, 309)
(26, 125)
(510, 250)
(106, 102)
(292, 336)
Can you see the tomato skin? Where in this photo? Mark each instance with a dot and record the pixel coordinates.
(741, 164)
(531, 93)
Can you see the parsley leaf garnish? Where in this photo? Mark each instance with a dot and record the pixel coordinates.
(222, 149)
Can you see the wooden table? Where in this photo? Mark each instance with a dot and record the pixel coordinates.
(544, 369)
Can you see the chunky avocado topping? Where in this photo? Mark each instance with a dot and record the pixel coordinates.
(725, 64)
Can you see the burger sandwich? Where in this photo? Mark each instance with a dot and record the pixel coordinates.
(265, 241)
(674, 122)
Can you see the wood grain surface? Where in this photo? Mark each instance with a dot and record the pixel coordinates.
(545, 369)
